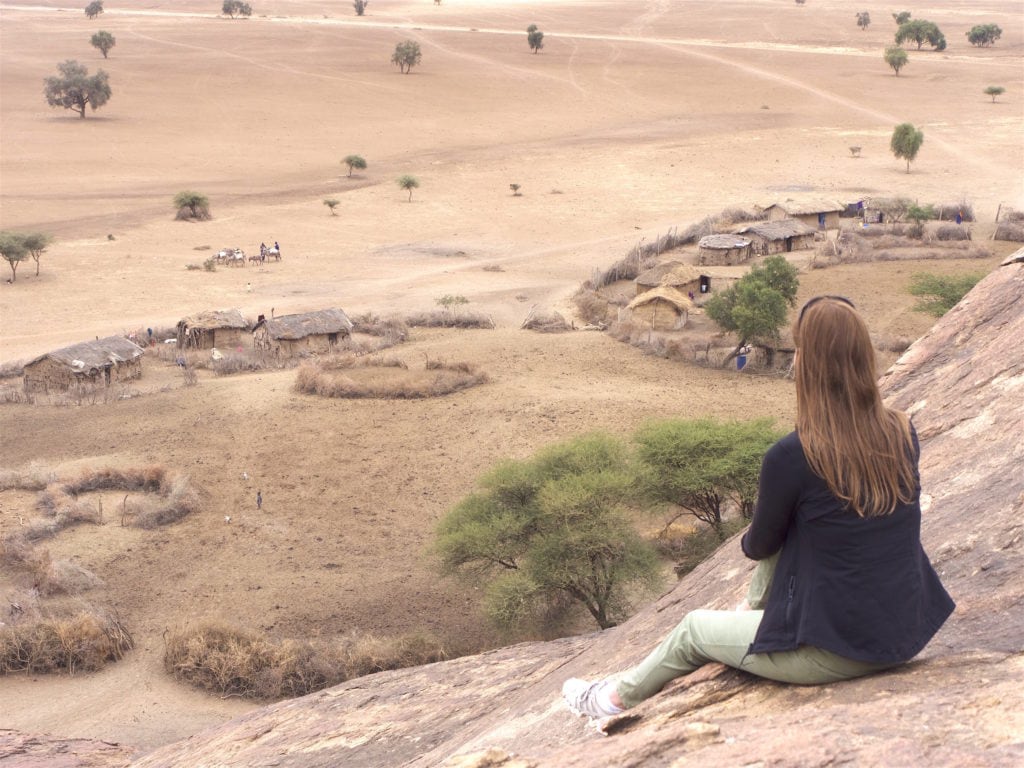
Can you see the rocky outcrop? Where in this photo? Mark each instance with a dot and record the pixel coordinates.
(961, 703)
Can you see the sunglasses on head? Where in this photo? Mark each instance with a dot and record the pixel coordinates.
(816, 299)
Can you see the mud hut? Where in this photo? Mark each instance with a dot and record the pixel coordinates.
(780, 236)
(674, 274)
(95, 363)
(662, 309)
(817, 214)
(224, 328)
(307, 333)
(723, 250)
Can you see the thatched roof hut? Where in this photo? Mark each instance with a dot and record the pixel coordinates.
(780, 236)
(213, 328)
(663, 308)
(103, 361)
(723, 249)
(814, 212)
(675, 274)
(309, 332)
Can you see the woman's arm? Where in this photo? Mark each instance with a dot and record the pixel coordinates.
(777, 496)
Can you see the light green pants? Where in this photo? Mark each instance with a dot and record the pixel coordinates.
(724, 636)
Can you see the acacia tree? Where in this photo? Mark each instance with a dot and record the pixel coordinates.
(13, 251)
(73, 89)
(104, 41)
(937, 294)
(36, 244)
(755, 307)
(549, 529)
(901, 18)
(993, 91)
(920, 32)
(535, 38)
(332, 203)
(406, 56)
(896, 58)
(94, 9)
(906, 141)
(191, 205)
(360, 6)
(984, 34)
(410, 183)
(235, 8)
(699, 465)
(863, 20)
(354, 162)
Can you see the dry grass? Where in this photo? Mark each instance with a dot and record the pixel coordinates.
(380, 379)
(393, 329)
(84, 642)
(440, 318)
(229, 661)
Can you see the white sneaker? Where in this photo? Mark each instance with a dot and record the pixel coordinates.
(584, 698)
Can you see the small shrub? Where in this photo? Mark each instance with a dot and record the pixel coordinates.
(1009, 231)
(84, 642)
(372, 325)
(194, 267)
(937, 294)
(593, 307)
(951, 232)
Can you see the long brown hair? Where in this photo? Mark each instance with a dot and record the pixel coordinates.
(861, 449)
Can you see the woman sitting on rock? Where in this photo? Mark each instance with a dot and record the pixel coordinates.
(843, 587)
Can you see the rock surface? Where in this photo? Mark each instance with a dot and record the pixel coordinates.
(960, 703)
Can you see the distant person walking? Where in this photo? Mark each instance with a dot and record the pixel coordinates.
(259, 499)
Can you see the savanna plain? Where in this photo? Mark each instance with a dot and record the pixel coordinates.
(634, 118)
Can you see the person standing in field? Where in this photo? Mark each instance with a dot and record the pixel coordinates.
(259, 499)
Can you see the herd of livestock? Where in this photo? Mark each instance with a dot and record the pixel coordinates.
(235, 257)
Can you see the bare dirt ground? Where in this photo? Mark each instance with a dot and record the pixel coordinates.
(633, 119)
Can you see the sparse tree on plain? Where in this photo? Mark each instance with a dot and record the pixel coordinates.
(906, 141)
(855, 151)
(984, 34)
(896, 58)
(863, 20)
(409, 183)
(920, 32)
(919, 214)
(235, 8)
(74, 89)
(451, 302)
(937, 294)
(354, 162)
(13, 251)
(535, 38)
(104, 41)
(192, 205)
(332, 203)
(901, 18)
(407, 55)
(36, 244)
(993, 91)
(515, 189)
(94, 9)
(360, 6)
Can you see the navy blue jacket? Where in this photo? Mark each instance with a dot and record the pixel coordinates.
(862, 588)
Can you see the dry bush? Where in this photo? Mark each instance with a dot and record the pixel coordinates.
(440, 318)
(438, 379)
(152, 479)
(945, 232)
(229, 661)
(897, 344)
(1009, 231)
(1011, 216)
(181, 500)
(393, 328)
(949, 211)
(34, 477)
(15, 393)
(64, 577)
(593, 307)
(12, 370)
(84, 642)
(546, 322)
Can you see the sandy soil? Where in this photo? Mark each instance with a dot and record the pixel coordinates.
(633, 119)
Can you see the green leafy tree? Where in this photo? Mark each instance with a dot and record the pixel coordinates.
(901, 18)
(993, 91)
(896, 58)
(906, 141)
(235, 8)
(549, 529)
(13, 251)
(697, 466)
(332, 203)
(74, 89)
(984, 34)
(36, 244)
(410, 183)
(407, 55)
(94, 9)
(192, 205)
(919, 214)
(535, 38)
(360, 6)
(451, 303)
(755, 307)
(104, 41)
(920, 31)
(354, 162)
(863, 20)
(937, 294)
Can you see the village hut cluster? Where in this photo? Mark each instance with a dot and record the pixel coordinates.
(102, 362)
